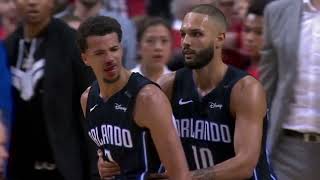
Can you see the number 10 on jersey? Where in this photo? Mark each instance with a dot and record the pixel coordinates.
(202, 157)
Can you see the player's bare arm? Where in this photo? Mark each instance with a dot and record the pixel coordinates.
(248, 106)
(153, 111)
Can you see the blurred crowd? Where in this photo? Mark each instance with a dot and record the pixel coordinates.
(42, 76)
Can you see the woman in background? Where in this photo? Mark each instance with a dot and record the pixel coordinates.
(154, 47)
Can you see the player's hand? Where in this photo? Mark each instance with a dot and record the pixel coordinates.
(107, 170)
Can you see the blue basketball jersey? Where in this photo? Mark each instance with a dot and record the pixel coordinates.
(114, 131)
(205, 124)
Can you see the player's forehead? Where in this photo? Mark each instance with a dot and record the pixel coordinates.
(107, 40)
(103, 43)
(194, 20)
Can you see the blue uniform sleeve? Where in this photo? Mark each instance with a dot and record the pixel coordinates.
(5, 86)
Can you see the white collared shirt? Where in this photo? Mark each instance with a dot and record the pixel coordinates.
(138, 70)
(304, 113)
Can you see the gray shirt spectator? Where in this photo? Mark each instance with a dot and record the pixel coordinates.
(288, 70)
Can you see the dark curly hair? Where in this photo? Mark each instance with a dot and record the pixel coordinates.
(97, 26)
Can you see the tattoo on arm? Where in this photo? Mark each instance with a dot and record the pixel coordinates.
(203, 174)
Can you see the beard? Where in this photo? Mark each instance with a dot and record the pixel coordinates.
(201, 59)
(89, 3)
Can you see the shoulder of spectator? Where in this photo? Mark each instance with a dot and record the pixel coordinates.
(278, 6)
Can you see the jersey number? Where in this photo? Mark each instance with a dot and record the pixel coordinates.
(108, 156)
(203, 156)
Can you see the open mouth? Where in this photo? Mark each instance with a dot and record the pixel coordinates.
(188, 54)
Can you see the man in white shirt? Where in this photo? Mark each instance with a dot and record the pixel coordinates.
(289, 68)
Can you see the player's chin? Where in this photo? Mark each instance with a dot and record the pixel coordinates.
(110, 80)
(190, 62)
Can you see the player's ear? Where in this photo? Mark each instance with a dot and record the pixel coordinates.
(220, 40)
(84, 59)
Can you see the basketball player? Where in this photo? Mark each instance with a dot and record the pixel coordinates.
(219, 110)
(130, 118)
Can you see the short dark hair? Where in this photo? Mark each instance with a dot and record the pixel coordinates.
(212, 11)
(257, 7)
(255, 10)
(147, 22)
(97, 26)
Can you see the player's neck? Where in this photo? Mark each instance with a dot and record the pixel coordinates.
(108, 90)
(33, 30)
(208, 77)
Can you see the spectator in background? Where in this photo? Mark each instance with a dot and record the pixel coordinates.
(154, 47)
(88, 8)
(247, 56)
(252, 38)
(128, 8)
(289, 71)
(3, 149)
(8, 18)
(136, 8)
(234, 23)
(240, 8)
(159, 8)
(48, 75)
(117, 6)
